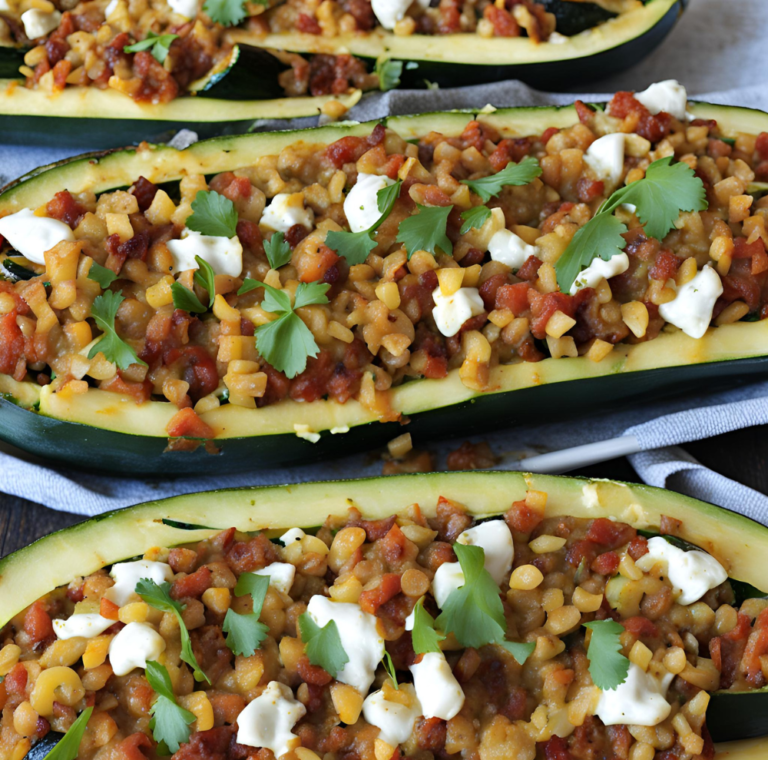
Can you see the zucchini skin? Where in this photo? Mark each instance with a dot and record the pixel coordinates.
(730, 717)
(574, 17)
(112, 452)
(250, 75)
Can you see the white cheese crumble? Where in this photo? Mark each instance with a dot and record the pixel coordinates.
(639, 701)
(668, 96)
(186, 8)
(133, 647)
(84, 626)
(394, 720)
(599, 269)
(304, 431)
(389, 12)
(691, 309)
(293, 535)
(128, 574)
(437, 689)
(359, 638)
(281, 575)
(225, 255)
(286, 210)
(38, 23)
(606, 157)
(451, 312)
(361, 206)
(510, 249)
(33, 235)
(111, 8)
(691, 574)
(494, 538)
(267, 720)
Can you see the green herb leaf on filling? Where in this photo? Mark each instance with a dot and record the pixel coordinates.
(68, 747)
(105, 277)
(278, 251)
(607, 666)
(159, 597)
(514, 174)
(245, 632)
(426, 231)
(389, 666)
(186, 300)
(213, 215)
(205, 277)
(159, 44)
(474, 218)
(114, 348)
(389, 73)
(228, 12)
(323, 645)
(170, 722)
(286, 342)
(424, 636)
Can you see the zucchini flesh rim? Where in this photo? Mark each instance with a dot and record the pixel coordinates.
(161, 164)
(469, 48)
(739, 543)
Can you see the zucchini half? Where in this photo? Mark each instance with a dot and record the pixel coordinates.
(455, 60)
(106, 431)
(740, 544)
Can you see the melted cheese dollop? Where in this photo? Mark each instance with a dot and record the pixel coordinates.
(639, 701)
(437, 689)
(33, 235)
(267, 720)
(128, 574)
(133, 647)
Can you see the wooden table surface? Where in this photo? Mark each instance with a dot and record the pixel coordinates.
(741, 455)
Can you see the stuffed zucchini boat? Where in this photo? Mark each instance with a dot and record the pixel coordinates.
(475, 615)
(454, 272)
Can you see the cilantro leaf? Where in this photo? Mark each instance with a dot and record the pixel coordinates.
(514, 174)
(278, 251)
(665, 191)
(170, 722)
(389, 73)
(424, 636)
(114, 348)
(205, 277)
(474, 612)
(355, 246)
(521, 651)
(426, 230)
(226, 12)
(600, 237)
(213, 214)
(159, 597)
(68, 747)
(160, 44)
(185, 299)
(105, 277)
(287, 342)
(323, 645)
(245, 632)
(474, 217)
(389, 666)
(607, 666)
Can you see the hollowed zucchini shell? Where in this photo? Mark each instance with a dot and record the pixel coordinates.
(106, 431)
(736, 541)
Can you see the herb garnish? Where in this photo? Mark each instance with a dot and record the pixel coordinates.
(323, 645)
(426, 231)
(114, 348)
(170, 722)
(474, 218)
(160, 45)
(213, 214)
(244, 632)
(278, 251)
(607, 665)
(424, 637)
(68, 747)
(105, 277)
(514, 174)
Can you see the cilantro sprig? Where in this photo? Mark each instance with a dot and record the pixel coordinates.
(323, 645)
(170, 722)
(426, 231)
(389, 73)
(666, 190)
(278, 251)
(114, 348)
(474, 218)
(159, 44)
(159, 597)
(205, 277)
(213, 214)
(514, 174)
(244, 631)
(355, 246)
(286, 342)
(185, 299)
(389, 666)
(228, 12)
(105, 277)
(424, 637)
(607, 665)
(68, 747)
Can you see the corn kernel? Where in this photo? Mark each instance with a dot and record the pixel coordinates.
(223, 311)
(562, 620)
(732, 313)
(559, 324)
(675, 660)
(96, 652)
(135, 612)
(599, 350)
(525, 578)
(551, 599)
(347, 701)
(586, 602)
(338, 331)
(400, 446)
(119, 224)
(217, 599)
(629, 569)
(389, 294)
(450, 280)
(545, 544)
(9, 656)
(559, 347)
(640, 655)
(160, 294)
(472, 276)
(635, 316)
(686, 272)
(200, 706)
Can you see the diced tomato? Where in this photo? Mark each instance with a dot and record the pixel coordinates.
(588, 190)
(504, 24)
(140, 391)
(640, 627)
(108, 609)
(757, 645)
(11, 345)
(134, 747)
(490, 288)
(609, 533)
(16, 681)
(393, 545)
(716, 652)
(665, 266)
(312, 674)
(513, 297)
(584, 112)
(548, 134)
(308, 24)
(37, 623)
(605, 564)
(186, 424)
(388, 587)
(521, 518)
(65, 208)
(581, 550)
(313, 265)
(192, 585)
(509, 150)
(761, 146)
(556, 748)
(638, 547)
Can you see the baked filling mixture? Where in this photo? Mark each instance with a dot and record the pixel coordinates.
(342, 271)
(523, 636)
(153, 50)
